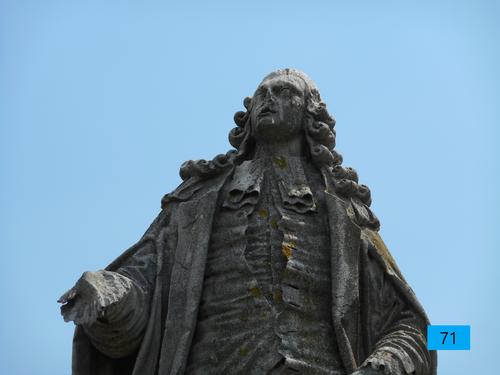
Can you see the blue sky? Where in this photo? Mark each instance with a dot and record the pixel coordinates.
(101, 101)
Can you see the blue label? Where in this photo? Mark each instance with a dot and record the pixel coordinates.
(448, 337)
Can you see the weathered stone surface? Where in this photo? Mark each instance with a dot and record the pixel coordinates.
(265, 260)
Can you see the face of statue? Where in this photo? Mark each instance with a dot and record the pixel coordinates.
(278, 108)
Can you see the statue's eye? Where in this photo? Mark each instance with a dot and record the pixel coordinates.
(285, 90)
(261, 92)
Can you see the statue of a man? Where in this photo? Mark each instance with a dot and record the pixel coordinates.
(265, 260)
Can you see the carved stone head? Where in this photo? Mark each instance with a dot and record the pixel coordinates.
(278, 108)
(281, 104)
(286, 104)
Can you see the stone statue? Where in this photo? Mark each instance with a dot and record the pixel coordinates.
(265, 260)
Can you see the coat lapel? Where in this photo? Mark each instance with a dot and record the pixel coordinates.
(194, 219)
(345, 246)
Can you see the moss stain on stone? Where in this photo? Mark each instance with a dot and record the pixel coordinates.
(263, 213)
(286, 250)
(243, 350)
(255, 291)
(274, 223)
(278, 296)
(280, 162)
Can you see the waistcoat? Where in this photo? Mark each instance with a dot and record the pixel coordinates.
(266, 302)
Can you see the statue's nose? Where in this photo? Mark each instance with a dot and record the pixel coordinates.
(270, 96)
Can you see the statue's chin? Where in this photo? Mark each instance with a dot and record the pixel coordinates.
(268, 129)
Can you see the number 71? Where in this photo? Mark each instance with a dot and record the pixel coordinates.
(446, 335)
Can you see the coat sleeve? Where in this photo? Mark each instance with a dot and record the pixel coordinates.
(397, 322)
(113, 345)
(119, 332)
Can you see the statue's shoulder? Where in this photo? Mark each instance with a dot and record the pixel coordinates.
(343, 183)
(375, 241)
(195, 187)
(200, 177)
(362, 214)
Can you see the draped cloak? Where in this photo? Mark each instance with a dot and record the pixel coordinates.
(168, 264)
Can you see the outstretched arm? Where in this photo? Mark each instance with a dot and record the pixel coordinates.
(112, 307)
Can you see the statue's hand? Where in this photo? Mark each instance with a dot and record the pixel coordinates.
(368, 371)
(92, 294)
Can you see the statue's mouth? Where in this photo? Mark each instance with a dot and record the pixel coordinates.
(265, 111)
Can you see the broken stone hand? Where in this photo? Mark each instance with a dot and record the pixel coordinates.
(93, 295)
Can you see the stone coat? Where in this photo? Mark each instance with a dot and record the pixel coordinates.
(168, 263)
